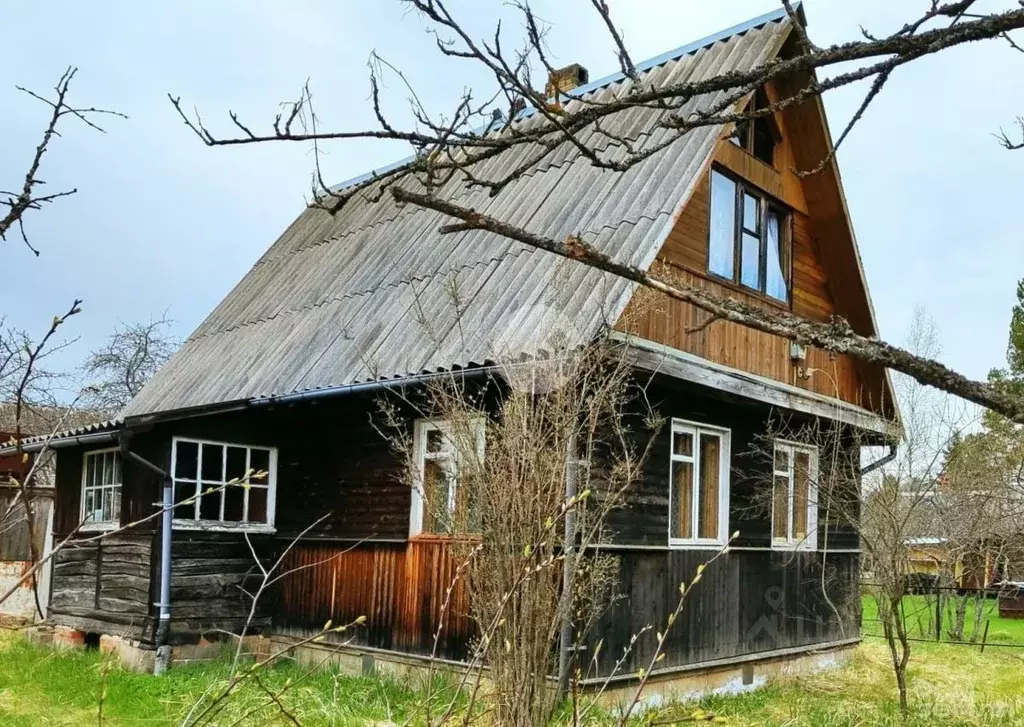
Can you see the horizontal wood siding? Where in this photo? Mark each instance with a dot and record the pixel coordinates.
(212, 577)
(105, 586)
(401, 589)
(746, 602)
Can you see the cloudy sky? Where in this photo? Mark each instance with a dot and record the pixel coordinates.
(163, 223)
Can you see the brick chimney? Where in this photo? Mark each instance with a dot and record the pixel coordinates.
(566, 79)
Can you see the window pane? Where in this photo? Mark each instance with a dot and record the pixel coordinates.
(182, 492)
(108, 504)
(234, 500)
(751, 213)
(213, 462)
(750, 275)
(781, 459)
(681, 523)
(764, 141)
(435, 440)
(710, 477)
(117, 469)
(436, 486)
(92, 475)
(209, 504)
(185, 458)
(778, 259)
(236, 463)
(780, 508)
(108, 468)
(257, 505)
(721, 248)
(89, 504)
(801, 493)
(682, 443)
(259, 461)
(115, 514)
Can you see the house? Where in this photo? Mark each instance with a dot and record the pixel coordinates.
(284, 375)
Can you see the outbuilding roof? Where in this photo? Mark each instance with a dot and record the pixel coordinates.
(375, 292)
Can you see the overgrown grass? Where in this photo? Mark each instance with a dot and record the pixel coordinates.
(44, 686)
(949, 685)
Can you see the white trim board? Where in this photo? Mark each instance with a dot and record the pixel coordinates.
(658, 358)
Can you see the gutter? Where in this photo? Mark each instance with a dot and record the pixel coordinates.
(163, 649)
(871, 467)
(55, 443)
(331, 391)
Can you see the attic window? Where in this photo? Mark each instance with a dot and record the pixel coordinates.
(759, 135)
(749, 240)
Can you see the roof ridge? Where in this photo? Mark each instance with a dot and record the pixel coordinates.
(646, 65)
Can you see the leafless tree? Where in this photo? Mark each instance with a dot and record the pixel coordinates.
(450, 151)
(117, 370)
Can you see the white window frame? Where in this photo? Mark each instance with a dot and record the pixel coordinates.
(420, 430)
(694, 429)
(789, 542)
(118, 486)
(220, 525)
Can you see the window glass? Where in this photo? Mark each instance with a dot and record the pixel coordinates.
(777, 263)
(682, 490)
(754, 250)
(446, 498)
(723, 225)
(750, 275)
(710, 481)
(794, 506)
(233, 484)
(101, 487)
(698, 485)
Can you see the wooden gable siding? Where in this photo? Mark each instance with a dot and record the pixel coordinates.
(684, 258)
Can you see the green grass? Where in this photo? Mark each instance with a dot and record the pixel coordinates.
(44, 686)
(949, 685)
(920, 618)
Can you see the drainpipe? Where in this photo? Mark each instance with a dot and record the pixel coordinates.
(163, 649)
(568, 551)
(871, 467)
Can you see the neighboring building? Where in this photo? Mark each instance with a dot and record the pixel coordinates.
(283, 376)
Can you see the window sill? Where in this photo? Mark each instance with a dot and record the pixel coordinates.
(757, 295)
(696, 544)
(99, 527)
(790, 547)
(219, 527)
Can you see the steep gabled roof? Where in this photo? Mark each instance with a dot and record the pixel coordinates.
(376, 292)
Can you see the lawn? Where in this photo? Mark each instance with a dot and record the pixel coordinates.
(950, 685)
(920, 618)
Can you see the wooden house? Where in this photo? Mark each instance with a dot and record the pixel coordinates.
(283, 376)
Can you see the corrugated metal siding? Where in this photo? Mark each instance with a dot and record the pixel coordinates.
(377, 292)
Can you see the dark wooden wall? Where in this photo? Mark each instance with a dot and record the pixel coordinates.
(334, 464)
(746, 602)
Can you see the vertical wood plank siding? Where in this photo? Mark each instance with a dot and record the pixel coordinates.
(402, 589)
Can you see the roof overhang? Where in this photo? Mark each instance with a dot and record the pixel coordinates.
(658, 358)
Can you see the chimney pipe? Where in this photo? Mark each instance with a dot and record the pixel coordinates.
(566, 79)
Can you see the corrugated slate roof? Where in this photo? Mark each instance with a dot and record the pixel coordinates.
(376, 292)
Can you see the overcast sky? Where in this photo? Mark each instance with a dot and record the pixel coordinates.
(163, 223)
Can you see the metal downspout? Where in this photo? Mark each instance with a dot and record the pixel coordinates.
(163, 649)
(568, 552)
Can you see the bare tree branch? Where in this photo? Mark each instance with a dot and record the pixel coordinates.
(19, 202)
